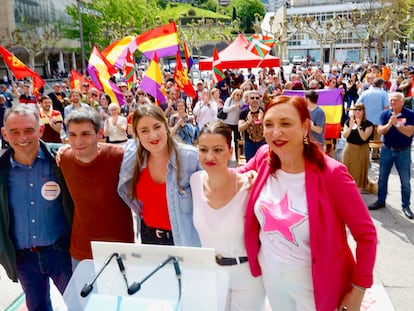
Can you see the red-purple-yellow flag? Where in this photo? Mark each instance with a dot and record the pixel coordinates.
(100, 71)
(117, 51)
(217, 67)
(188, 59)
(181, 78)
(152, 81)
(331, 103)
(163, 40)
(21, 71)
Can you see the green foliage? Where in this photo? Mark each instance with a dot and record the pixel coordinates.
(162, 4)
(246, 9)
(210, 5)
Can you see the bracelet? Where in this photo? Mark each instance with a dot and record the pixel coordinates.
(358, 287)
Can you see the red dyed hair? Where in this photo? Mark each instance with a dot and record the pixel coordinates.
(311, 151)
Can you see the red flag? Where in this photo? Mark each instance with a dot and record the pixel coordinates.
(21, 71)
(217, 67)
(129, 70)
(77, 79)
(181, 78)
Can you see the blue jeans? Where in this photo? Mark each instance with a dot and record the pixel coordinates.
(251, 148)
(402, 161)
(34, 270)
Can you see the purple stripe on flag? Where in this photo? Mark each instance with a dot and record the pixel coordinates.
(92, 71)
(152, 88)
(118, 93)
(168, 51)
(326, 97)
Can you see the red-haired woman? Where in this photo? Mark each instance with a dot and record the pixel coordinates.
(296, 219)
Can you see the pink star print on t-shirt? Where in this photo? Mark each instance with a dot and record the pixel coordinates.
(280, 218)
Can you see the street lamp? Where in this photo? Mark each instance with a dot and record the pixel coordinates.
(81, 36)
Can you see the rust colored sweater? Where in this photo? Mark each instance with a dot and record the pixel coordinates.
(100, 214)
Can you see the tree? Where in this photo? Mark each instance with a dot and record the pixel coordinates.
(245, 10)
(35, 42)
(115, 19)
(381, 21)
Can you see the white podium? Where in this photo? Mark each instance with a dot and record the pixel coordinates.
(204, 287)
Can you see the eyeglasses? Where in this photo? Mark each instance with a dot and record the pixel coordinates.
(358, 109)
(255, 97)
(141, 94)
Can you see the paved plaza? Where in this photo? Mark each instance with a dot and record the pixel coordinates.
(394, 269)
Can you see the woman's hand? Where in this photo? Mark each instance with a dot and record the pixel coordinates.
(61, 150)
(352, 300)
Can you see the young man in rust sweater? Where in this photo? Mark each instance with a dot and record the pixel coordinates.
(91, 170)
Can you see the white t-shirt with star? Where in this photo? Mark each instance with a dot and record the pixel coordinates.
(282, 212)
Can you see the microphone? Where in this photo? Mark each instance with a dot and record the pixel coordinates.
(136, 286)
(122, 269)
(87, 288)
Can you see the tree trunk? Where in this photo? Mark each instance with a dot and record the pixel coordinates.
(321, 53)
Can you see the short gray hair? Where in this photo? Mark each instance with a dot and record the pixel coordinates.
(84, 115)
(22, 110)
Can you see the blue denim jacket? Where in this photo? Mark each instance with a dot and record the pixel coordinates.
(180, 202)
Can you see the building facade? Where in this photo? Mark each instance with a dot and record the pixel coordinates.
(346, 48)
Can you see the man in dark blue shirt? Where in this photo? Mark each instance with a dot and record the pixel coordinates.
(397, 127)
(35, 211)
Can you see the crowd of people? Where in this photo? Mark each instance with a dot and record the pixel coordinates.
(78, 167)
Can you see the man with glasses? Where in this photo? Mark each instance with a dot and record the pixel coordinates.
(92, 98)
(251, 123)
(130, 104)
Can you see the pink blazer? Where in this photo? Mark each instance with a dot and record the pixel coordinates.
(334, 203)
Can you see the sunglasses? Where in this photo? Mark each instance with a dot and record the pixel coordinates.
(358, 109)
(141, 94)
(130, 96)
(95, 95)
(255, 97)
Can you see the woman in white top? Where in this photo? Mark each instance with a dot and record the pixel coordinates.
(219, 202)
(205, 109)
(115, 126)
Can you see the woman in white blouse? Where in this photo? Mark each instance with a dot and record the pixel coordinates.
(219, 205)
(115, 126)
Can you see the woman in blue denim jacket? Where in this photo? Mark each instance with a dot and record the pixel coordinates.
(155, 180)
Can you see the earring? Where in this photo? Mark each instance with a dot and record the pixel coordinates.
(305, 140)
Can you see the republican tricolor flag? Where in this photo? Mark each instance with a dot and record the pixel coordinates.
(163, 40)
(117, 51)
(188, 58)
(152, 81)
(331, 102)
(101, 71)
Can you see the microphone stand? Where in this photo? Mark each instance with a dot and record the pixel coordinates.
(136, 286)
(87, 288)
